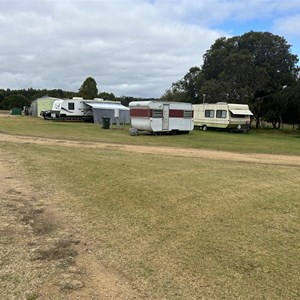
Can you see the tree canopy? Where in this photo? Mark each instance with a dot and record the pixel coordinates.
(254, 68)
(88, 89)
(23, 97)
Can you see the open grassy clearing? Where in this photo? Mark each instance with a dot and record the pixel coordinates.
(262, 141)
(179, 227)
(44, 252)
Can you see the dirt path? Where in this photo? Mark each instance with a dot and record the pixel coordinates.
(46, 251)
(200, 153)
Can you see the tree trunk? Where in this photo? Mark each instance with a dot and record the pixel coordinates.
(276, 124)
(281, 121)
(257, 123)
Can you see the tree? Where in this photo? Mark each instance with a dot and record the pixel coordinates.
(292, 113)
(88, 89)
(215, 91)
(187, 89)
(251, 68)
(17, 100)
(174, 95)
(106, 96)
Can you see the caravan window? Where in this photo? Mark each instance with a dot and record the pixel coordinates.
(157, 113)
(188, 114)
(209, 113)
(221, 114)
(71, 106)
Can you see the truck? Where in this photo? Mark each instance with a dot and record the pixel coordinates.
(222, 115)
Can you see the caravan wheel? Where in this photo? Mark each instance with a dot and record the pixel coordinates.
(204, 128)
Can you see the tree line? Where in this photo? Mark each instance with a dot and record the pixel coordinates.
(88, 90)
(256, 68)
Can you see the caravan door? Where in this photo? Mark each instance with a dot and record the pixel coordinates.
(165, 120)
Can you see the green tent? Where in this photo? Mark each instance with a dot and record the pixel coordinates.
(41, 104)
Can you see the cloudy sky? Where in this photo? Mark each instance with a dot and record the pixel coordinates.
(130, 47)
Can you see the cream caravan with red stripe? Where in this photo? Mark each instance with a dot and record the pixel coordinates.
(158, 116)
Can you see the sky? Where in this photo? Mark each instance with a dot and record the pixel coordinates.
(134, 48)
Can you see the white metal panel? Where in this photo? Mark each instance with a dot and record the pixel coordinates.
(142, 124)
(139, 103)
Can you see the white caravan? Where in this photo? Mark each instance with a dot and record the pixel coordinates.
(69, 109)
(233, 117)
(158, 117)
(77, 109)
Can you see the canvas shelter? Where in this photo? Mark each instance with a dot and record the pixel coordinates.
(41, 104)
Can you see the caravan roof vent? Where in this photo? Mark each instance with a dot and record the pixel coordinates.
(77, 98)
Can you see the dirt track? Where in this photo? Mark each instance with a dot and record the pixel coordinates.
(200, 153)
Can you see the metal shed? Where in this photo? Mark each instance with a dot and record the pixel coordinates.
(118, 113)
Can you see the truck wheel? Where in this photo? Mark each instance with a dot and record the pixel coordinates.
(204, 128)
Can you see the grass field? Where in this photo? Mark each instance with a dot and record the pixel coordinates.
(261, 141)
(177, 227)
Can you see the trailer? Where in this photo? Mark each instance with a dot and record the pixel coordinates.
(161, 117)
(78, 109)
(222, 115)
(75, 109)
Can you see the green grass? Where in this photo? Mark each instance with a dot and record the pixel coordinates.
(178, 227)
(256, 141)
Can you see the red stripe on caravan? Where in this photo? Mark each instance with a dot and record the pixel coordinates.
(140, 112)
(176, 113)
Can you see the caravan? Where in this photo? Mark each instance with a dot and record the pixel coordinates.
(77, 109)
(158, 117)
(222, 115)
(69, 109)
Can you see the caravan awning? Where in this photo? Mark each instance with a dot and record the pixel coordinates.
(106, 105)
(244, 112)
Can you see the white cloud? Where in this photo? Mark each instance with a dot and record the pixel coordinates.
(289, 25)
(130, 47)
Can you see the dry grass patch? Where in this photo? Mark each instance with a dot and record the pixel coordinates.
(28, 228)
(179, 227)
(61, 249)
